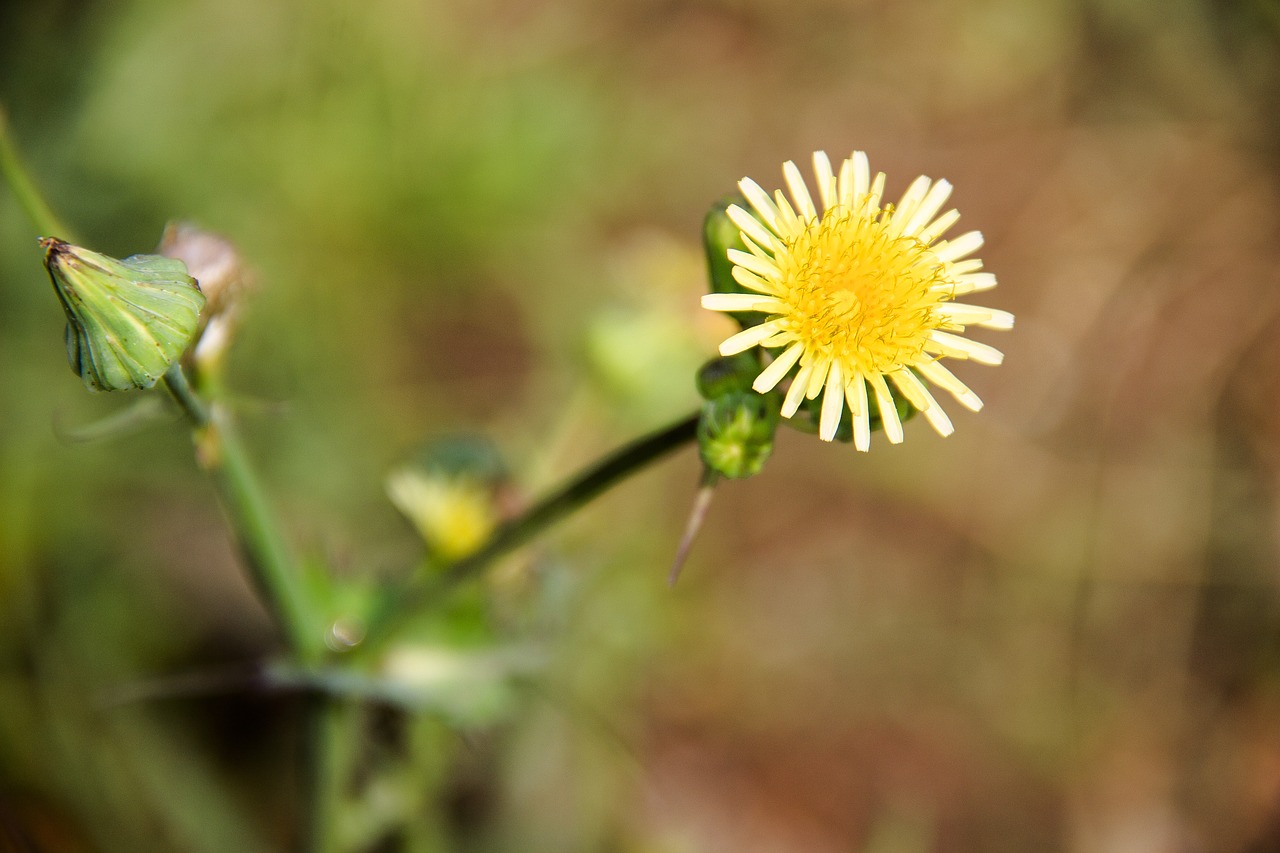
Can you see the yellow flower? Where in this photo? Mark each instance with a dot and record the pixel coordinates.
(454, 514)
(858, 294)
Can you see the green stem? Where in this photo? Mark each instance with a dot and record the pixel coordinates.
(272, 569)
(582, 489)
(271, 565)
(328, 721)
(24, 189)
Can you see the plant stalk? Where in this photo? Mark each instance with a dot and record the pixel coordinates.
(24, 189)
(271, 565)
(327, 745)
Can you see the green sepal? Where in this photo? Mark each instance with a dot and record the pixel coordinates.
(128, 321)
(719, 235)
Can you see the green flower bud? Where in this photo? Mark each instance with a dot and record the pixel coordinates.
(721, 376)
(735, 432)
(128, 321)
(719, 235)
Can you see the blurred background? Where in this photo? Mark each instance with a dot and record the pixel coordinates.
(1057, 630)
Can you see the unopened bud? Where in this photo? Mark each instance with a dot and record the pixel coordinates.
(128, 321)
(736, 429)
(735, 433)
(454, 515)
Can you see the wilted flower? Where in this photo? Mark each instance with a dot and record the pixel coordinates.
(857, 294)
(214, 262)
(211, 260)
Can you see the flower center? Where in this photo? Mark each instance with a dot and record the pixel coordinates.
(859, 294)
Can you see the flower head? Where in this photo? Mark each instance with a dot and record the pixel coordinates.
(857, 294)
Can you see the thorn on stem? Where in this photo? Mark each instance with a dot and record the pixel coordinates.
(698, 514)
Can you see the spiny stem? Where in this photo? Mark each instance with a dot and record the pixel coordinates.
(582, 489)
(24, 189)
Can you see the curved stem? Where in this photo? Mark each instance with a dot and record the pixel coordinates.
(275, 575)
(15, 175)
(270, 563)
(582, 489)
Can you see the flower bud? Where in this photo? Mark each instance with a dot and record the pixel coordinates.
(736, 429)
(735, 432)
(128, 321)
(719, 235)
(454, 515)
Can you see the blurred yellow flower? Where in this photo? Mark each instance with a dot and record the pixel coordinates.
(858, 294)
(454, 513)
